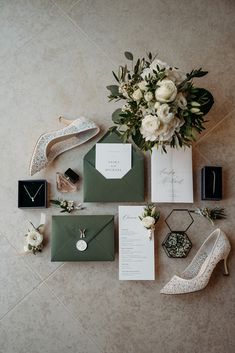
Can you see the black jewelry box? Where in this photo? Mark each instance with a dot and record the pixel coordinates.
(32, 193)
(211, 183)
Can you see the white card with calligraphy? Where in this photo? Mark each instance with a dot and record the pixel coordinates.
(171, 175)
(113, 160)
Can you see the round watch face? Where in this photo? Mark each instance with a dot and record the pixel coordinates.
(81, 245)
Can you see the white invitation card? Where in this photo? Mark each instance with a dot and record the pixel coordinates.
(136, 250)
(113, 160)
(171, 175)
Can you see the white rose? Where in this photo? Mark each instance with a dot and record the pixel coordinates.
(34, 238)
(166, 92)
(175, 75)
(137, 95)
(142, 85)
(159, 63)
(148, 221)
(181, 101)
(148, 96)
(149, 127)
(163, 112)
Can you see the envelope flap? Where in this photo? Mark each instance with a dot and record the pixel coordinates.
(112, 137)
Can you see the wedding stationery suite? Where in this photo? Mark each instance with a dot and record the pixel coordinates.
(136, 250)
(113, 160)
(113, 171)
(171, 175)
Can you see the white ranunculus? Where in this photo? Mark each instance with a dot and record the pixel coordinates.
(159, 63)
(166, 92)
(148, 96)
(34, 238)
(149, 127)
(148, 221)
(175, 75)
(181, 101)
(142, 85)
(163, 112)
(137, 94)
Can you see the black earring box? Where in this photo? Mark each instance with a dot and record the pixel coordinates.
(32, 193)
(211, 183)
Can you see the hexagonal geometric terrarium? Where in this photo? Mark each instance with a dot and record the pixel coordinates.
(177, 244)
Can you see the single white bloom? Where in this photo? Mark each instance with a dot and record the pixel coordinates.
(63, 203)
(163, 112)
(148, 221)
(159, 63)
(148, 96)
(171, 128)
(142, 85)
(137, 94)
(175, 75)
(146, 72)
(156, 105)
(34, 238)
(70, 203)
(149, 127)
(181, 101)
(150, 123)
(166, 92)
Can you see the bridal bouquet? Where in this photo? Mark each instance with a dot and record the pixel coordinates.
(162, 105)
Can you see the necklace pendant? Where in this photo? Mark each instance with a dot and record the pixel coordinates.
(32, 199)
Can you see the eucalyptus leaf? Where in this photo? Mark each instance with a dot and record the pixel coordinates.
(113, 89)
(129, 55)
(116, 116)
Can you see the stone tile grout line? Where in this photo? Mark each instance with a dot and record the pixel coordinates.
(78, 28)
(73, 317)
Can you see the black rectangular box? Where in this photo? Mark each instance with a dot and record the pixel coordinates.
(32, 193)
(211, 183)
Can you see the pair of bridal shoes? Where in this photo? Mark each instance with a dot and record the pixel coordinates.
(52, 144)
(196, 276)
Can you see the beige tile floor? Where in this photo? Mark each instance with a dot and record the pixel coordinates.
(56, 59)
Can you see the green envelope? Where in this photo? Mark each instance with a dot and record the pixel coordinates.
(99, 236)
(99, 189)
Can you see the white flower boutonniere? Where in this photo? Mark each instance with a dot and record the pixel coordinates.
(149, 218)
(34, 239)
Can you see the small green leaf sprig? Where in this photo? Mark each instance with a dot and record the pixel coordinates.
(212, 214)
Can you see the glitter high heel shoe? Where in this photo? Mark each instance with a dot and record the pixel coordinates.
(52, 144)
(196, 276)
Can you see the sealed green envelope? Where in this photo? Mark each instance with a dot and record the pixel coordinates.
(127, 189)
(82, 238)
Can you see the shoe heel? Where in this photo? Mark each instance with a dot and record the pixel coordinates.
(226, 271)
(65, 121)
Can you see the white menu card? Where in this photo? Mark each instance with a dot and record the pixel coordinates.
(171, 175)
(136, 250)
(113, 160)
